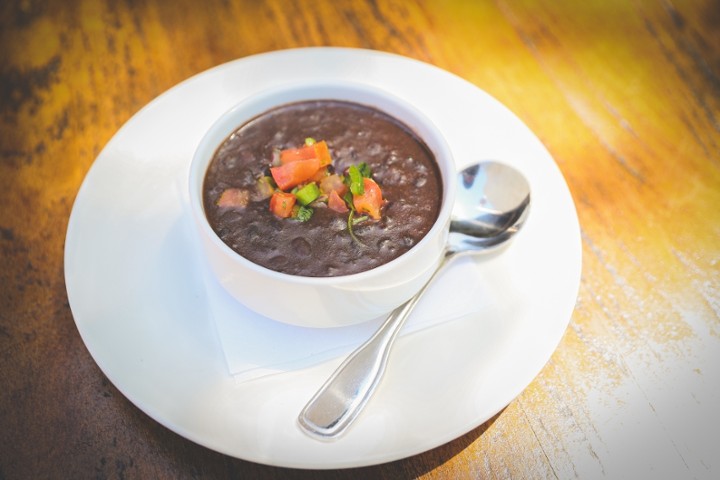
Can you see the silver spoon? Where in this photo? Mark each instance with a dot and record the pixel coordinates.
(492, 203)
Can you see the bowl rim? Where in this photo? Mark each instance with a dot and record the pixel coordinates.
(298, 91)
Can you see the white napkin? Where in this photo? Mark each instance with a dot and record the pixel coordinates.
(256, 346)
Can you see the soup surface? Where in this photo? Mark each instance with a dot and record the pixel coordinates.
(329, 242)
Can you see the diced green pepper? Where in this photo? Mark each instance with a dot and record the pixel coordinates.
(308, 193)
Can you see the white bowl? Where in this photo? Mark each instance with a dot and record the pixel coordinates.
(323, 301)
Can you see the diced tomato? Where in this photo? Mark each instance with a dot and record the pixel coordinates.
(336, 203)
(371, 201)
(233, 198)
(317, 150)
(322, 153)
(322, 173)
(295, 154)
(281, 204)
(294, 173)
(333, 183)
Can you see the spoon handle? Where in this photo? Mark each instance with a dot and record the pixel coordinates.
(343, 396)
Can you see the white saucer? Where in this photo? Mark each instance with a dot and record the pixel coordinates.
(137, 294)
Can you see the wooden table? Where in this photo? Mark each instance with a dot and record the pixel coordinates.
(624, 94)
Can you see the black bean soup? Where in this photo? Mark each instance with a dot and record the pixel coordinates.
(326, 244)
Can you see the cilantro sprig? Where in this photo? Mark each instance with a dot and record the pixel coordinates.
(354, 181)
(302, 213)
(355, 175)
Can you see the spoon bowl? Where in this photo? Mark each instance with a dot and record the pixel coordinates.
(491, 206)
(492, 203)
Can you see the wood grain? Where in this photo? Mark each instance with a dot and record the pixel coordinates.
(624, 94)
